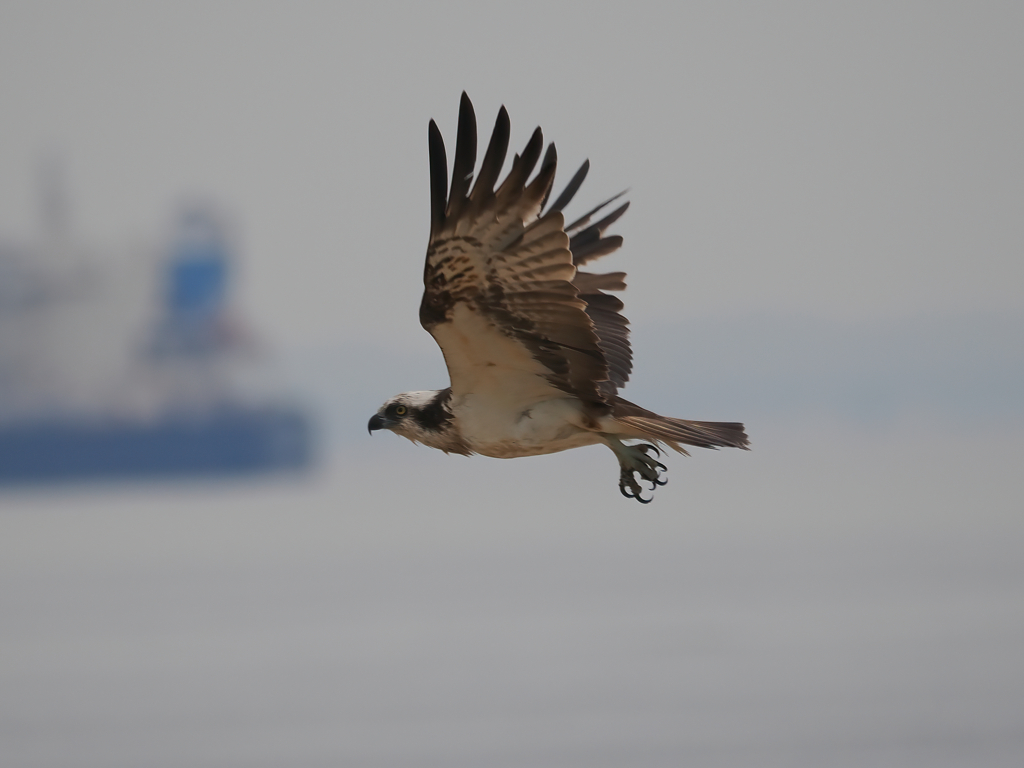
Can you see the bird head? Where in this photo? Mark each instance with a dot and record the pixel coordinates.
(418, 416)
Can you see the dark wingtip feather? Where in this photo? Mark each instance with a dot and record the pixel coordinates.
(494, 157)
(550, 157)
(612, 217)
(548, 166)
(583, 220)
(438, 178)
(531, 154)
(594, 249)
(571, 188)
(465, 157)
(522, 165)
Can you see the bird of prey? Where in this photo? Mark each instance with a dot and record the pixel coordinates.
(536, 349)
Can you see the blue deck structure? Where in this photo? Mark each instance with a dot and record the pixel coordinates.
(223, 442)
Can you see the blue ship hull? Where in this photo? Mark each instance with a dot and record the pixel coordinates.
(227, 441)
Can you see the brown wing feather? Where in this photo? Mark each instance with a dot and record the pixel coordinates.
(495, 253)
(588, 242)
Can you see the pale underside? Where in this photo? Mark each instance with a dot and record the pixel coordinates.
(502, 402)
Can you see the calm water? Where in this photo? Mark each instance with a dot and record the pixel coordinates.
(849, 601)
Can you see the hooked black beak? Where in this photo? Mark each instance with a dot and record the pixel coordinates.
(376, 422)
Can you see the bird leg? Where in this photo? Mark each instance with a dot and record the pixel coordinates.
(636, 460)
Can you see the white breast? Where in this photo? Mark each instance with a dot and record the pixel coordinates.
(506, 429)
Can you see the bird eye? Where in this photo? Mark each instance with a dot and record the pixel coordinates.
(400, 410)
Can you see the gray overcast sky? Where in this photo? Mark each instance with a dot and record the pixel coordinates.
(827, 220)
(827, 201)
(850, 161)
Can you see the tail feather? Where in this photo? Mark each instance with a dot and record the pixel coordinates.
(672, 432)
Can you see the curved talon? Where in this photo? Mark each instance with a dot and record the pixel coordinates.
(639, 467)
(629, 488)
(650, 474)
(662, 477)
(634, 493)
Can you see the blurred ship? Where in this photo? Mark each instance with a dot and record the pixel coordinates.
(134, 365)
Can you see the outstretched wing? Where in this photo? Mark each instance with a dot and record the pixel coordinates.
(502, 296)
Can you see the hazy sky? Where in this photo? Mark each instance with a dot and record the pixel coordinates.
(835, 164)
(827, 222)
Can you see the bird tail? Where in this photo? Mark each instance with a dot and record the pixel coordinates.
(643, 424)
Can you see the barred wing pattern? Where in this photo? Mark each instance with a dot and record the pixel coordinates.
(502, 296)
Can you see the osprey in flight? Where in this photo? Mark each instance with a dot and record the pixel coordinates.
(536, 350)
